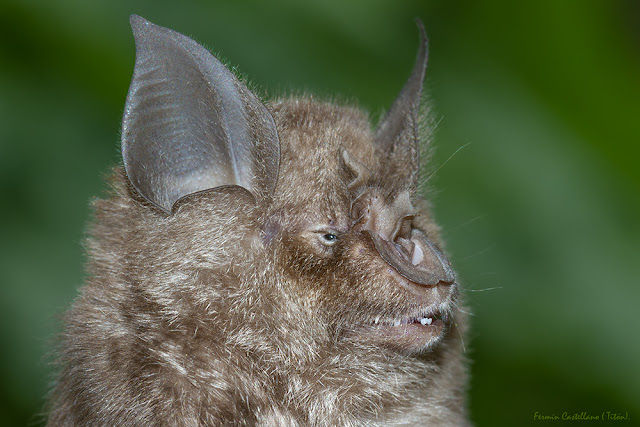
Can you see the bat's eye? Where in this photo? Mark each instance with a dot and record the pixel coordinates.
(329, 238)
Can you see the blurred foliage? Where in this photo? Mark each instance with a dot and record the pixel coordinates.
(539, 101)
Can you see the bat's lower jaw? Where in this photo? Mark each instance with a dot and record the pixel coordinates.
(420, 328)
(408, 335)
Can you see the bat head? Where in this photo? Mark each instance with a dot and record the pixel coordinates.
(300, 201)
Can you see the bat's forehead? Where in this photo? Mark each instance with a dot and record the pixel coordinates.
(313, 135)
(312, 173)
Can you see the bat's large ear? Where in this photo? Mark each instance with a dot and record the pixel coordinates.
(190, 125)
(397, 133)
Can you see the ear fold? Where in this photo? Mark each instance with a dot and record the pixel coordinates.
(190, 125)
(358, 172)
(397, 133)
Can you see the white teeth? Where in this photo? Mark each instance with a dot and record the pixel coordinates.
(400, 322)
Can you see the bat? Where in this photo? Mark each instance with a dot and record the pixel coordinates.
(261, 263)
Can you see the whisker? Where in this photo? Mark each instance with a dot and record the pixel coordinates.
(485, 250)
(434, 127)
(464, 224)
(446, 161)
(485, 289)
(466, 312)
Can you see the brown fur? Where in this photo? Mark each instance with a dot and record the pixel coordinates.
(229, 311)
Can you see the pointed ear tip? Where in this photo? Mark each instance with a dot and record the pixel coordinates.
(137, 22)
(423, 32)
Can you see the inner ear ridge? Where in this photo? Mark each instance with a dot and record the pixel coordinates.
(190, 125)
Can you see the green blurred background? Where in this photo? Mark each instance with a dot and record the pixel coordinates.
(540, 207)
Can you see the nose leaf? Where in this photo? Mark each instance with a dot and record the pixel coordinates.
(408, 250)
(416, 259)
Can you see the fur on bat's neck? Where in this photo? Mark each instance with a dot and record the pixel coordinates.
(191, 340)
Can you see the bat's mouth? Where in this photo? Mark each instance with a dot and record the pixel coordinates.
(426, 320)
(410, 334)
